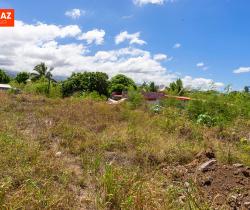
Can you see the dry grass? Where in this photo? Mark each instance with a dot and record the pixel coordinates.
(111, 156)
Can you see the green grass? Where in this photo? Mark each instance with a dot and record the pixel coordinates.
(120, 153)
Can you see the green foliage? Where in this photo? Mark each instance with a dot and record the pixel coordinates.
(156, 108)
(135, 98)
(153, 87)
(41, 70)
(41, 87)
(93, 96)
(205, 119)
(246, 89)
(4, 78)
(121, 83)
(22, 77)
(86, 82)
(176, 87)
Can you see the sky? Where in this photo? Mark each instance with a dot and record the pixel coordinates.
(206, 43)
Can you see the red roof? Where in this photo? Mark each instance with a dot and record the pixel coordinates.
(153, 95)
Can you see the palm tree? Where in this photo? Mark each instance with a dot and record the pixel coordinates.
(41, 70)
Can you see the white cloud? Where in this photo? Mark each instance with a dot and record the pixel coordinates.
(201, 83)
(95, 36)
(133, 38)
(27, 45)
(242, 70)
(200, 65)
(75, 13)
(143, 2)
(162, 57)
(177, 45)
(127, 17)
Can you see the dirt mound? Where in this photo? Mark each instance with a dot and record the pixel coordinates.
(224, 186)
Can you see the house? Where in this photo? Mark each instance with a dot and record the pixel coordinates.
(119, 95)
(5, 87)
(156, 97)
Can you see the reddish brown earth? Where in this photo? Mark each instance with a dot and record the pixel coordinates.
(224, 186)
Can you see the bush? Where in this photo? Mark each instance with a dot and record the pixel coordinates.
(22, 77)
(41, 87)
(93, 96)
(4, 78)
(205, 119)
(135, 98)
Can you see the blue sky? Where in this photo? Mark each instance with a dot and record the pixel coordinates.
(211, 39)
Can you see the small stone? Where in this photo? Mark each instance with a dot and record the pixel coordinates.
(187, 184)
(205, 166)
(237, 172)
(210, 154)
(207, 181)
(238, 165)
(58, 154)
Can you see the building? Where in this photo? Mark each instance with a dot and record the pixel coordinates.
(5, 87)
(156, 97)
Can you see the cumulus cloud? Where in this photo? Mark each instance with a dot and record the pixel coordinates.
(242, 70)
(133, 38)
(201, 83)
(95, 36)
(27, 45)
(75, 13)
(177, 45)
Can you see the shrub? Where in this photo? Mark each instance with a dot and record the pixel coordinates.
(135, 98)
(205, 119)
(4, 78)
(93, 96)
(22, 77)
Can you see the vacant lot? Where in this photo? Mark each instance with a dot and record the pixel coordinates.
(82, 154)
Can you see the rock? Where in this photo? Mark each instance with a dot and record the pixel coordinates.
(206, 166)
(237, 172)
(207, 181)
(238, 165)
(210, 154)
(247, 205)
(246, 173)
(58, 154)
(187, 185)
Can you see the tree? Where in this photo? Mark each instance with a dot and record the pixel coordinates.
(121, 83)
(246, 89)
(86, 82)
(153, 87)
(22, 77)
(4, 78)
(41, 70)
(177, 87)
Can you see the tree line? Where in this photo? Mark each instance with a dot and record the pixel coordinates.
(86, 82)
(41, 81)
